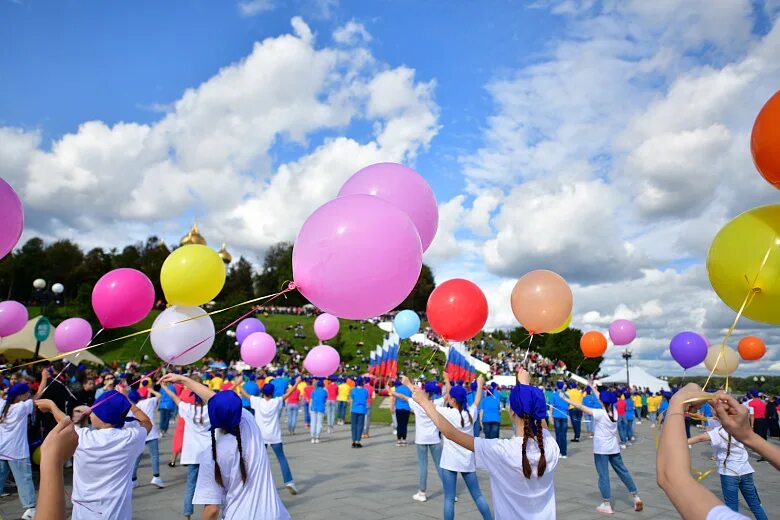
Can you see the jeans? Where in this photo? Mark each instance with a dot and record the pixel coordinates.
(588, 422)
(368, 421)
(330, 410)
(165, 419)
(316, 424)
(422, 462)
(576, 421)
(358, 420)
(306, 413)
(622, 429)
(402, 416)
(285, 467)
(653, 416)
(449, 480)
(629, 429)
(602, 467)
(761, 427)
(477, 426)
(292, 417)
(644, 411)
(732, 484)
(491, 429)
(22, 470)
(154, 453)
(342, 410)
(192, 479)
(561, 426)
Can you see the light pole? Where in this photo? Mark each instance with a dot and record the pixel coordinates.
(627, 355)
(759, 381)
(44, 297)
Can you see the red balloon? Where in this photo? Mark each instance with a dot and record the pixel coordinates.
(457, 310)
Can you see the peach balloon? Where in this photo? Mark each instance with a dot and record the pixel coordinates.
(541, 301)
(726, 365)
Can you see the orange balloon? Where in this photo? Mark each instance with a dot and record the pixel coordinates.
(751, 348)
(541, 301)
(765, 141)
(593, 344)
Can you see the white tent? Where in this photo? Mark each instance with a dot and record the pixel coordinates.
(22, 346)
(638, 379)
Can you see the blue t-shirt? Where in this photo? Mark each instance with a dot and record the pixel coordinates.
(663, 407)
(251, 388)
(318, 398)
(280, 386)
(706, 410)
(591, 401)
(400, 404)
(166, 403)
(491, 409)
(629, 410)
(560, 407)
(359, 396)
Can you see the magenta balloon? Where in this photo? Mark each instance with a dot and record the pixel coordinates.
(402, 187)
(122, 297)
(622, 332)
(13, 317)
(247, 327)
(326, 326)
(72, 334)
(11, 218)
(322, 361)
(357, 257)
(258, 349)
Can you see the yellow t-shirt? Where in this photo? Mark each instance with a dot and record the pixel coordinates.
(302, 386)
(215, 383)
(344, 390)
(576, 395)
(637, 401)
(653, 402)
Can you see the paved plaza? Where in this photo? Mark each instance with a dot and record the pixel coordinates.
(378, 481)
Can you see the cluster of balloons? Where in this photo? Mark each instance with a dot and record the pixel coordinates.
(360, 255)
(542, 302)
(457, 310)
(258, 348)
(323, 360)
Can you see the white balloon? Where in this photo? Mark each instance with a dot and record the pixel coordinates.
(57, 288)
(182, 342)
(39, 283)
(727, 364)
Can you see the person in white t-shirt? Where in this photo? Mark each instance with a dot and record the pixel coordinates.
(267, 411)
(606, 449)
(522, 468)
(196, 435)
(103, 462)
(149, 407)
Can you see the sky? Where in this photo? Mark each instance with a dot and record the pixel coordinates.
(605, 140)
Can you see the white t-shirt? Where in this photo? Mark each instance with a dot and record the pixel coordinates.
(605, 435)
(515, 496)
(149, 407)
(455, 457)
(267, 417)
(255, 498)
(738, 461)
(102, 472)
(724, 513)
(13, 431)
(425, 432)
(197, 432)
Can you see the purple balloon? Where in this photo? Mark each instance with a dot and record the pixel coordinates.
(326, 326)
(402, 187)
(622, 332)
(688, 349)
(11, 217)
(72, 334)
(247, 327)
(357, 257)
(258, 349)
(13, 317)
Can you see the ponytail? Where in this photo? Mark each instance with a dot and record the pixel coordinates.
(217, 471)
(242, 466)
(540, 442)
(528, 434)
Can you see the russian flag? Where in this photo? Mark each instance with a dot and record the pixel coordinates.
(371, 358)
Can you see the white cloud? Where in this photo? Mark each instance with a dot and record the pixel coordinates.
(255, 7)
(351, 33)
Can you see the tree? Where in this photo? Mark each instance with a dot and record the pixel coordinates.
(239, 282)
(418, 298)
(276, 274)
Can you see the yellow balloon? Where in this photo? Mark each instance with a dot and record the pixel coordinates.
(192, 275)
(36, 456)
(736, 256)
(562, 327)
(727, 364)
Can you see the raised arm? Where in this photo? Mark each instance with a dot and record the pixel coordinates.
(699, 438)
(735, 419)
(204, 392)
(396, 394)
(56, 449)
(447, 384)
(575, 404)
(175, 398)
(48, 406)
(445, 427)
(293, 388)
(43, 385)
(478, 397)
(143, 419)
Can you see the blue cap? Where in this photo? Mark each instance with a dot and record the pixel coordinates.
(459, 394)
(145, 382)
(320, 384)
(754, 393)
(225, 411)
(528, 400)
(359, 381)
(473, 386)
(494, 385)
(268, 389)
(608, 397)
(560, 385)
(134, 396)
(111, 408)
(17, 390)
(572, 384)
(431, 387)
(252, 376)
(666, 394)
(588, 390)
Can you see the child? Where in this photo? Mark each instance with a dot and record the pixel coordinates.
(317, 402)
(521, 469)
(591, 401)
(359, 399)
(606, 451)
(734, 468)
(490, 412)
(148, 405)
(402, 411)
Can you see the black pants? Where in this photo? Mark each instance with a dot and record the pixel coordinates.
(760, 427)
(402, 418)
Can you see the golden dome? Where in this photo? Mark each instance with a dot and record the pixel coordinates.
(193, 237)
(224, 255)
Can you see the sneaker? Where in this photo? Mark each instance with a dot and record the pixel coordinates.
(652, 425)
(172, 464)
(291, 488)
(638, 505)
(358, 445)
(135, 484)
(456, 499)
(157, 481)
(29, 514)
(316, 441)
(313, 441)
(605, 508)
(633, 439)
(420, 496)
(564, 457)
(354, 444)
(622, 446)
(574, 440)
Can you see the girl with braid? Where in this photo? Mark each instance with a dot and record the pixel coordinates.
(521, 469)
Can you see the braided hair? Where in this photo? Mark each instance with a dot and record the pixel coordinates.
(528, 434)
(242, 465)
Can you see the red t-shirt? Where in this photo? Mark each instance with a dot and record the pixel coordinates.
(621, 407)
(295, 397)
(759, 408)
(307, 392)
(333, 391)
(370, 390)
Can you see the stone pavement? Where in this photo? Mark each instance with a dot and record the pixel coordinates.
(378, 482)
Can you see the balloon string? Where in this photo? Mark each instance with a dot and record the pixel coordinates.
(527, 350)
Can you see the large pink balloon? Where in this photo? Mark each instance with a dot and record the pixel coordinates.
(13, 317)
(326, 326)
(322, 361)
(11, 218)
(357, 257)
(258, 349)
(122, 297)
(72, 334)
(402, 187)
(622, 332)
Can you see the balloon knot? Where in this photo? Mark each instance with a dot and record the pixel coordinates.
(292, 286)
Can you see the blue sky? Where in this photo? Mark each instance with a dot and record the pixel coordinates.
(604, 140)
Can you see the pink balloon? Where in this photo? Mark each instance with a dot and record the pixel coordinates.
(13, 317)
(258, 349)
(322, 361)
(404, 188)
(122, 297)
(622, 332)
(11, 217)
(326, 326)
(72, 334)
(357, 257)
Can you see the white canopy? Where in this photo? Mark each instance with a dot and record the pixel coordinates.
(638, 379)
(22, 346)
